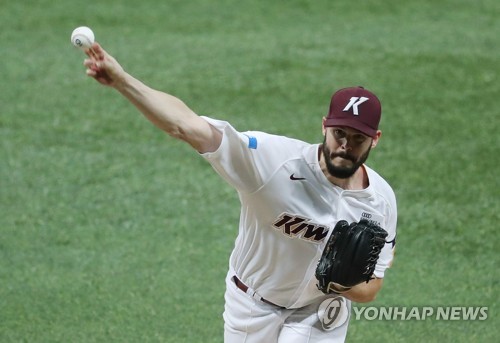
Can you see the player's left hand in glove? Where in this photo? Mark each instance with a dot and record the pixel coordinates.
(350, 256)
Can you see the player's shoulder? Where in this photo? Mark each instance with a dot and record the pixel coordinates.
(258, 139)
(277, 143)
(380, 185)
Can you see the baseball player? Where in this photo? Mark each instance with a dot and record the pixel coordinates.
(292, 195)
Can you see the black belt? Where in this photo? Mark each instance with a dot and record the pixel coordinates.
(244, 288)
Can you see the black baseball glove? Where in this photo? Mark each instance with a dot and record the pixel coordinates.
(350, 256)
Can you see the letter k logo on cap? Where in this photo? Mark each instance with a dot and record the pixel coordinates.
(354, 103)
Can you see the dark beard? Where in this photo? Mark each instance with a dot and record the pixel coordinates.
(342, 172)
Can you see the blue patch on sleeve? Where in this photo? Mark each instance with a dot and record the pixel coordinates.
(252, 142)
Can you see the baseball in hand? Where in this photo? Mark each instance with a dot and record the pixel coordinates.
(82, 37)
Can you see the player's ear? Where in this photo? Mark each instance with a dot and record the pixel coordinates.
(323, 128)
(376, 138)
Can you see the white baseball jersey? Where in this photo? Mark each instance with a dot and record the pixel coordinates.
(288, 211)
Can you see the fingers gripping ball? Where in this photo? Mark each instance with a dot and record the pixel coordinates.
(350, 255)
(82, 37)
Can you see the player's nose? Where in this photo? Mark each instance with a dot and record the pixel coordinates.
(344, 144)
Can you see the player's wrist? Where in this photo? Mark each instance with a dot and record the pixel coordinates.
(337, 288)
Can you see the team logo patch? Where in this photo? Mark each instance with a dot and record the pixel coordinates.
(332, 313)
(354, 103)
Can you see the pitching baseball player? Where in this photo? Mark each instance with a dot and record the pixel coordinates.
(293, 196)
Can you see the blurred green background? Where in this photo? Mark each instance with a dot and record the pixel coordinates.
(111, 231)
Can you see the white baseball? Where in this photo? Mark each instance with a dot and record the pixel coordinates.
(82, 37)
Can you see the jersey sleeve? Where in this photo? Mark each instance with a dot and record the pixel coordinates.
(247, 159)
(387, 254)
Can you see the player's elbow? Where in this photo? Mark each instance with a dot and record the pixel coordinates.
(365, 292)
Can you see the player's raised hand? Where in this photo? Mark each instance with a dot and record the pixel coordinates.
(103, 67)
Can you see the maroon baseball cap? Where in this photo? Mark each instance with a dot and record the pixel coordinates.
(357, 108)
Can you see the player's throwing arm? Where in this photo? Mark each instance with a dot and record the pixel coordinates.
(165, 111)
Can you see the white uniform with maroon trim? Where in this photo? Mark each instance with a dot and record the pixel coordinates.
(288, 210)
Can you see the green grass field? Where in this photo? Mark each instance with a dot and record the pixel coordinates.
(111, 231)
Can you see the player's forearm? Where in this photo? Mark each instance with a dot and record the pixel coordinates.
(169, 114)
(364, 292)
(165, 111)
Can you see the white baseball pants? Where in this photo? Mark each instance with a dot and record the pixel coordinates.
(248, 320)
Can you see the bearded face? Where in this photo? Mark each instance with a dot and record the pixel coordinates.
(343, 164)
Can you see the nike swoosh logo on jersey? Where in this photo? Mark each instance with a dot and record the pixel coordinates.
(292, 177)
